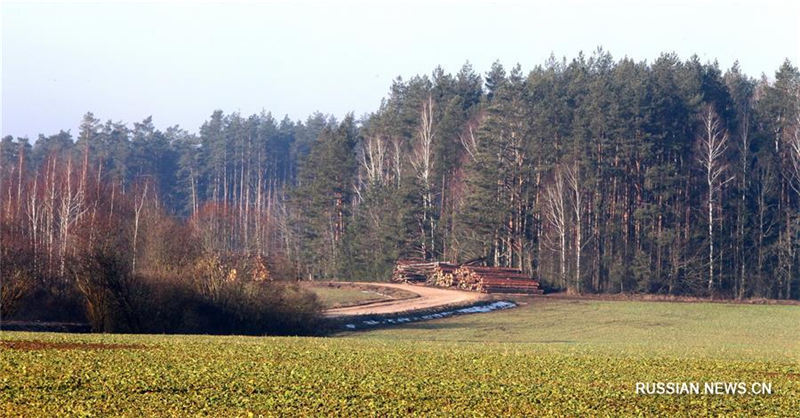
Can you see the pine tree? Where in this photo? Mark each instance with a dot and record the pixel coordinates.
(324, 197)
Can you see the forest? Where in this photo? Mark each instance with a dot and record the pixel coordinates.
(593, 175)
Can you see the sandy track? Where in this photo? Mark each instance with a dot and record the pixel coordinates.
(429, 297)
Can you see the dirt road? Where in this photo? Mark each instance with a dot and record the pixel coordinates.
(429, 297)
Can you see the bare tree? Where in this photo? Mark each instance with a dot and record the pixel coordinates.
(422, 161)
(50, 206)
(555, 213)
(35, 214)
(575, 184)
(794, 155)
(71, 209)
(713, 145)
(469, 142)
(372, 156)
(137, 215)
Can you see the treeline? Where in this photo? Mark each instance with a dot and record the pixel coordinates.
(593, 175)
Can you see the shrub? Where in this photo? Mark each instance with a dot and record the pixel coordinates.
(13, 288)
(174, 305)
(104, 280)
(16, 279)
(269, 308)
(212, 297)
(51, 304)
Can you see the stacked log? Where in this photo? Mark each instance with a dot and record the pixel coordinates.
(495, 280)
(529, 286)
(413, 271)
(467, 277)
(443, 275)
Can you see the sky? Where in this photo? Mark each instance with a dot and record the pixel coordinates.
(179, 61)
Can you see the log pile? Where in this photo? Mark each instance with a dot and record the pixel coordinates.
(495, 280)
(466, 277)
(413, 271)
(443, 275)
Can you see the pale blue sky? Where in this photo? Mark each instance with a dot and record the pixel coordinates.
(178, 61)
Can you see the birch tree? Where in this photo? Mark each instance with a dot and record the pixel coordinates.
(575, 183)
(555, 213)
(713, 146)
(137, 216)
(372, 158)
(422, 161)
(794, 152)
(71, 208)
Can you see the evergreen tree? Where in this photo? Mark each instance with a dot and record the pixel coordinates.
(324, 197)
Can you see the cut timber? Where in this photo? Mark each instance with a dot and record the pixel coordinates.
(466, 277)
(443, 275)
(416, 271)
(495, 280)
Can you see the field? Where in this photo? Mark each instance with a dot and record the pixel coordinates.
(546, 357)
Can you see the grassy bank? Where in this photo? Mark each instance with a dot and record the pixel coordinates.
(340, 295)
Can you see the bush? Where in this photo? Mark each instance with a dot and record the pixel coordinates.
(49, 304)
(14, 286)
(269, 308)
(211, 297)
(173, 305)
(104, 280)
(16, 280)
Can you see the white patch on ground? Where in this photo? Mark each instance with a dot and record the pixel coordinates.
(487, 308)
(494, 306)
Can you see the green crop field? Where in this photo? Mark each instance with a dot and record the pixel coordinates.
(547, 357)
(718, 330)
